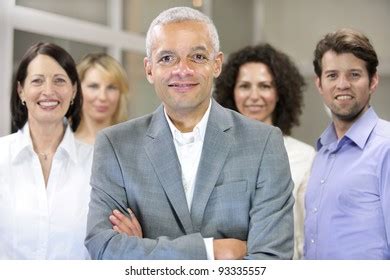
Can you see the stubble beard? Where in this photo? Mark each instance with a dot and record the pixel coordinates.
(349, 114)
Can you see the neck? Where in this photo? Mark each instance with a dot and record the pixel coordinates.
(342, 126)
(46, 138)
(88, 129)
(185, 121)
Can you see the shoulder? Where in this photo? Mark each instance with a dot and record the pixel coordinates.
(131, 128)
(83, 149)
(124, 136)
(244, 125)
(6, 142)
(293, 144)
(382, 129)
(299, 153)
(380, 139)
(254, 135)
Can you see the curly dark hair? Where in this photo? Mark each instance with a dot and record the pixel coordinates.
(287, 78)
(64, 59)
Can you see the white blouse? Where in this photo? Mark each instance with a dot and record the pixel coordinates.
(38, 222)
(300, 157)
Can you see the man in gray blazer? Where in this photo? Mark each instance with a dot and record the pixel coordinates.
(202, 181)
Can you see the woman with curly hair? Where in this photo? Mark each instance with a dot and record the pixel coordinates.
(263, 84)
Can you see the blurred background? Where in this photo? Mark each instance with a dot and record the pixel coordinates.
(118, 27)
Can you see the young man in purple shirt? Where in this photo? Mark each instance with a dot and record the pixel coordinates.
(348, 195)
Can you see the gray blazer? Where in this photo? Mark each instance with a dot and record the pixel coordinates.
(243, 190)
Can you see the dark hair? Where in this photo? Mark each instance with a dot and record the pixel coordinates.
(288, 81)
(64, 59)
(346, 41)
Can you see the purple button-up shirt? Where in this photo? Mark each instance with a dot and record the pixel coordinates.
(348, 194)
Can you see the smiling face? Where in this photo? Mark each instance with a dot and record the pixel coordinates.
(183, 66)
(345, 86)
(47, 91)
(100, 96)
(255, 94)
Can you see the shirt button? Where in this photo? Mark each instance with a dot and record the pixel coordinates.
(312, 241)
(315, 210)
(322, 181)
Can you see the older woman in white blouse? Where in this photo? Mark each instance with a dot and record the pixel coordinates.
(44, 171)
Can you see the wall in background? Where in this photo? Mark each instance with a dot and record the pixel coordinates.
(119, 27)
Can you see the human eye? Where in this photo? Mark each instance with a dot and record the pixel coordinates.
(331, 76)
(167, 59)
(244, 86)
(199, 58)
(355, 75)
(112, 87)
(59, 81)
(37, 81)
(263, 86)
(93, 86)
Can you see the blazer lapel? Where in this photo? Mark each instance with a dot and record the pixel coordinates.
(216, 147)
(162, 154)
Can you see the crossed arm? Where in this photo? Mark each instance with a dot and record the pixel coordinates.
(270, 229)
(224, 249)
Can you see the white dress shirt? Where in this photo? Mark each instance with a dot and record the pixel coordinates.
(189, 147)
(39, 222)
(300, 157)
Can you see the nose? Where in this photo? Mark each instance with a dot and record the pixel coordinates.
(343, 83)
(102, 94)
(48, 89)
(254, 93)
(182, 69)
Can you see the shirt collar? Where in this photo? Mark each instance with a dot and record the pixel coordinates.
(358, 133)
(198, 132)
(23, 144)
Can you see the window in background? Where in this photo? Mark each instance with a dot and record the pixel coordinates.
(138, 14)
(232, 18)
(23, 40)
(88, 10)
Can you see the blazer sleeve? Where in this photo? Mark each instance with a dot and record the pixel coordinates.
(271, 227)
(108, 193)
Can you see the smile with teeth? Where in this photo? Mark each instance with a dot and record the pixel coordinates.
(181, 85)
(343, 97)
(48, 103)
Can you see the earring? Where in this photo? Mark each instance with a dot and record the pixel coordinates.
(71, 102)
(23, 103)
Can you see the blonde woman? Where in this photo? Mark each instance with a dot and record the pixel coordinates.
(105, 88)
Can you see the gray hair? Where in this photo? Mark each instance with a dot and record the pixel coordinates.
(180, 14)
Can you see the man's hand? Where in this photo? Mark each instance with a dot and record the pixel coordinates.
(123, 224)
(229, 249)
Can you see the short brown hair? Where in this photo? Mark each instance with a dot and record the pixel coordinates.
(346, 41)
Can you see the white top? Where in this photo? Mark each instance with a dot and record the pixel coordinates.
(300, 157)
(38, 222)
(189, 149)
